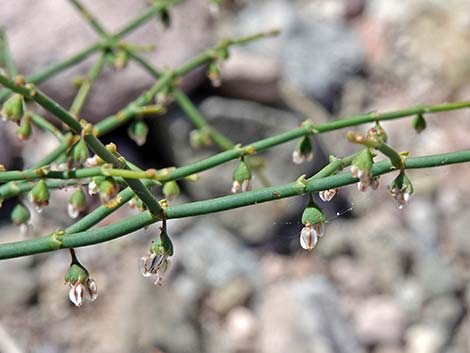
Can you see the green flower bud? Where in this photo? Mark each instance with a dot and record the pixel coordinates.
(171, 190)
(418, 123)
(79, 153)
(303, 152)
(213, 73)
(20, 214)
(377, 133)
(107, 189)
(312, 214)
(241, 177)
(138, 131)
(24, 130)
(77, 203)
(200, 138)
(13, 108)
(39, 195)
(120, 59)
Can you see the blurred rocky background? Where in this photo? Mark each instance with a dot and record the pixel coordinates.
(382, 280)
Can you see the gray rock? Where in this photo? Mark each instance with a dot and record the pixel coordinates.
(318, 56)
(380, 320)
(303, 316)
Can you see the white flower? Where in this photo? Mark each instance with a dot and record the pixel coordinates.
(77, 290)
(310, 234)
(91, 162)
(155, 265)
(72, 211)
(243, 186)
(327, 195)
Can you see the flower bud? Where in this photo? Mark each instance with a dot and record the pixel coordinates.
(303, 152)
(171, 190)
(138, 131)
(418, 123)
(120, 59)
(313, 220)
(39, 195)
(77, 203)
(377, 133)
(79, 153)
(107, 189)
(24, 130)
(200, 138)
(213, 73)
(361, 168)
(401, 189)
(80, 283)
(20, 214)
(241, 177)
(13, 108)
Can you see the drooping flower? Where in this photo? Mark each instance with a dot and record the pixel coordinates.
(138, 131)
(157, 261)
(13, 108)
(81, 285)
(39, 195)
(77, 203)
(241, 177)
(401, 189)
(313, 220)
(303, 151)
(171, 190)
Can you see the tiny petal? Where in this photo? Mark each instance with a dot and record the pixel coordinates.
(26, 230)
(76, 293)
(91, 289)
(91, 162)
(236, 186)
(246, 185)
(355, 171)
(319, 228)
(308, 238)
(72, 211)
(297, 158)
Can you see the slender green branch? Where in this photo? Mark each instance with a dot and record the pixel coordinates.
(45, 125)
(93, 21)
(6, 59)
(86, 85)
(103, 234)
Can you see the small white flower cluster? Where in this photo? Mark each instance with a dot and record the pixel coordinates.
(78, 289)
(401, 195)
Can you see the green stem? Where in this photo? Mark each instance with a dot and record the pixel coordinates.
(45, 125)
(86, 85)
(93, 21)
(6, 59)
(99, 235)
